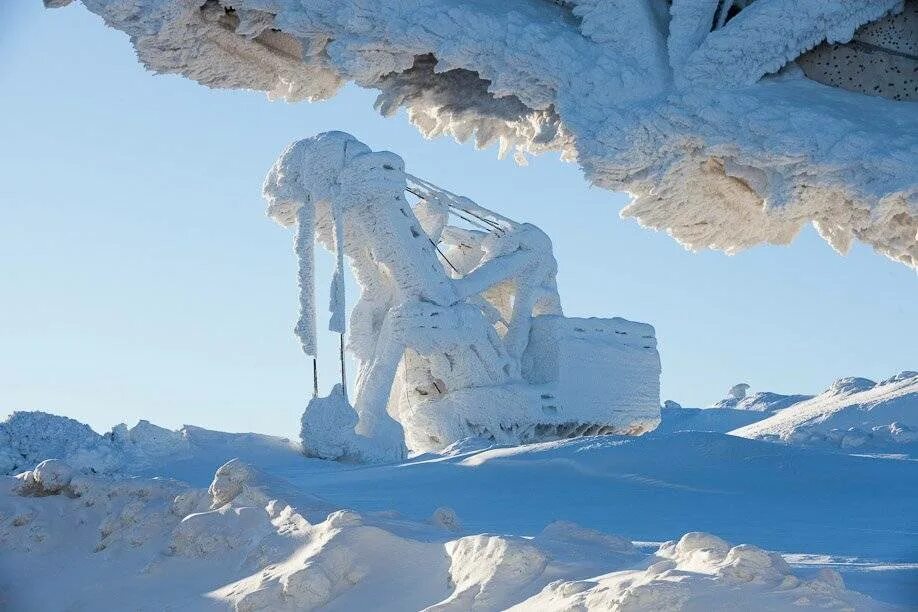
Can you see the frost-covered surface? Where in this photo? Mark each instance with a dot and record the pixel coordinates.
(695, 107)
(854, 414)
(458, 330)
(278, 531)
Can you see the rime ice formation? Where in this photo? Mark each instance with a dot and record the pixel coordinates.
(698, 108)
(28, 437)
(738, 391)
(458, 330)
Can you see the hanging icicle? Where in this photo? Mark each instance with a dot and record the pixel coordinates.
(303, 245)
(336, 304)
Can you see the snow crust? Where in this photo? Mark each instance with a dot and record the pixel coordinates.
(854, 413)
(458, 330)
(697, 109)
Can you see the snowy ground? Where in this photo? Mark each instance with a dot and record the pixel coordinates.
(148, 534)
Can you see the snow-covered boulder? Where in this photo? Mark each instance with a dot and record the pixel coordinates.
(238, 483)
(52, 475)
(49, 477)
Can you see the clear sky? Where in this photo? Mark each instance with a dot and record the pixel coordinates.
(139, 277)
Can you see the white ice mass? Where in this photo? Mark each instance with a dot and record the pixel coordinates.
(458, 330)
(731, 122)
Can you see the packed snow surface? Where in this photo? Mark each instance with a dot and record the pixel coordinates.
(214, 521)
(697, 108)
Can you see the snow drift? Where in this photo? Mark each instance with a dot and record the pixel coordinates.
(854, 413)
(271, 529)
(236, 545)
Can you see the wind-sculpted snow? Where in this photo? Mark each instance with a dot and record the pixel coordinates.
(695, 107)
(151, 544)
(248, 521)
(855, 414)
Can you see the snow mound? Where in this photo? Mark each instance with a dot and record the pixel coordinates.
(761, 401)
(169, 544)
(29, 437)
(854, 413)
(701, 572)
(697, 109)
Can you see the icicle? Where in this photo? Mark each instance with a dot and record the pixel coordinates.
(303, 245)
(337, 306)
(336, 294)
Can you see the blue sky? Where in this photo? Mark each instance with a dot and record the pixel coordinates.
(139, 277)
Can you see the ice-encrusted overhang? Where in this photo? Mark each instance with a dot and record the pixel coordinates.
(695, 107)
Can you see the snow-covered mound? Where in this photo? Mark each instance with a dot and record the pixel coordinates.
(695, 107)
(197, 528)
(29, 437)
(854, 413)
(761, 401)
(152, 544)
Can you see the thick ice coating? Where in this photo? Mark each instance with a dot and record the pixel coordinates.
(458, 330)
(731, 122)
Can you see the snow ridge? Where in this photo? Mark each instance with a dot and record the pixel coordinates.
(854, 413)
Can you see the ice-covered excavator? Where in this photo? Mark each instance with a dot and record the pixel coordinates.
(458, 330)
